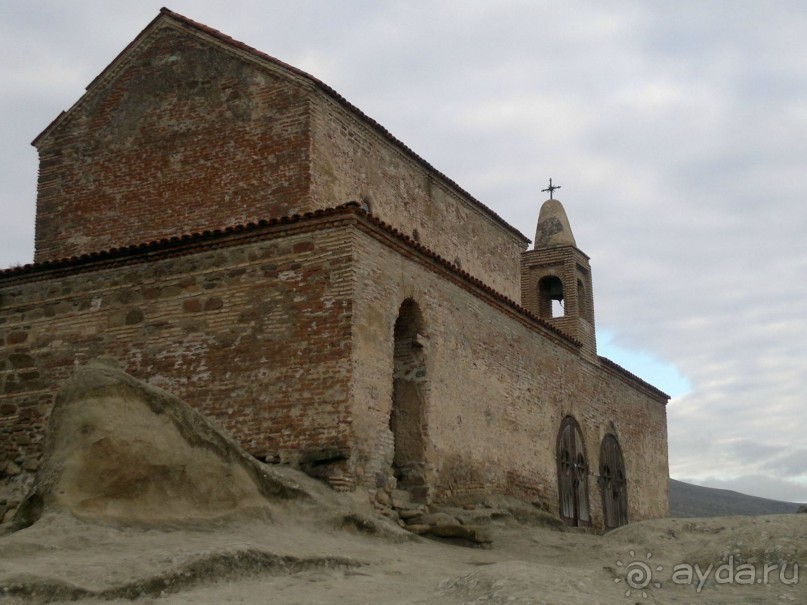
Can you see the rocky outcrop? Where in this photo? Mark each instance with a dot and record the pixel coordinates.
(118, 448)
(461, 523)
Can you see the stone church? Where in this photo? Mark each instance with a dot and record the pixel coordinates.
(231, 229)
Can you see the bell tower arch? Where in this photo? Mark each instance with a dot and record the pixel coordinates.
(556, 278)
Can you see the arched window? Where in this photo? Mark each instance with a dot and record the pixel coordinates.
(550, 297)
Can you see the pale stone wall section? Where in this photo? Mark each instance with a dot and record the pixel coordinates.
(499, 390)
(350, 161)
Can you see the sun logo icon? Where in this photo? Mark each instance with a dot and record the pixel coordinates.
(639, 574)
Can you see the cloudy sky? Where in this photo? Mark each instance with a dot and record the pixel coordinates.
(677, 130)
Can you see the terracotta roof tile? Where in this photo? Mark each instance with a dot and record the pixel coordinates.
(137, 251)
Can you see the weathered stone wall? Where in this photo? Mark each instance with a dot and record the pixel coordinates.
(189, 131)
(351, 161)
(254, 334)
(186, 132)
(288, 342)
(178, 137)
(497, 389)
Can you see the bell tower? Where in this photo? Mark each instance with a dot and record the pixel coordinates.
(556, 277)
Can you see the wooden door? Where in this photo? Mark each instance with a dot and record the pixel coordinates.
(572, 474)
(613, 483)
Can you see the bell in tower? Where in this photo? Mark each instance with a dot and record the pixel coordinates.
(556, 277)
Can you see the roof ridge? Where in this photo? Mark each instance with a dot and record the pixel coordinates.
(135, 250)
(342, 100)
(165, 242)
(618, 368)
(319, 84)
(502, 298)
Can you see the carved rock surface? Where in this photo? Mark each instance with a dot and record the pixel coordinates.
(119, 448)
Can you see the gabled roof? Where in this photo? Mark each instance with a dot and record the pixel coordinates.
(169, 17)
(190, 243)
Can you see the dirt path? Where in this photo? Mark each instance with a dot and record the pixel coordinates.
(309, 559)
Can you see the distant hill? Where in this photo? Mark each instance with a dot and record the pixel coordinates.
(687, 500)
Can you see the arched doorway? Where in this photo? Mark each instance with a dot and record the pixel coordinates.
(572, 474)
(409, 390)
(613, 483)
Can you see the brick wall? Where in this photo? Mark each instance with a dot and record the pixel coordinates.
(288, 342)
(499, 387)
(255, 334)
(286, 337)
(177, 137)
(350, 161)
(571, 266)
(184, 133)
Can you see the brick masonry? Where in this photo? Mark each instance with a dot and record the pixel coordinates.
(183, 114)
(256, 336)
(174, 120)
(287, 342)
(350, 161)
(284, 332)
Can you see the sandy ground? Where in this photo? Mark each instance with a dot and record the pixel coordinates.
(309, 558)
(145, 501)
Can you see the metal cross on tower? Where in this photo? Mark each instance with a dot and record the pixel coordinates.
(551, 189)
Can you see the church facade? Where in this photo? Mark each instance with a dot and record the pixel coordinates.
(231, 229)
